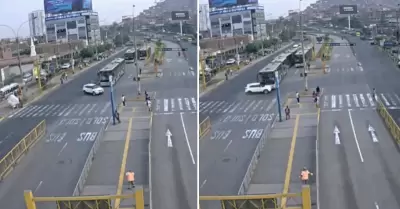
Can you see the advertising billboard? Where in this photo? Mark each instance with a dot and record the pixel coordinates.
(180, 15)
(64, 6)
(229, 3)
(348, 9)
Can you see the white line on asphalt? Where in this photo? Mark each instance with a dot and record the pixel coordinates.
(376, 205)
(355, 136)
(38, 186)
(65, 145)
(202, 184)
(187, 140)
(226, 148)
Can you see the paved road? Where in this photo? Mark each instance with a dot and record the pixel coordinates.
(238, 121)
(174, 162)
(358, 171)
(73, 121)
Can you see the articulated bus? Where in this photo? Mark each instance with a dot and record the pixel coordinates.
(142, 52)
(299, 56)
(116, 69)
(129, 56)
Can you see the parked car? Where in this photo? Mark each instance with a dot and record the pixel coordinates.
(27, 77)
(65, 66)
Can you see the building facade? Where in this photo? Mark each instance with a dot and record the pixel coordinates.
(37, 23)
(243, 20)
(74, 26)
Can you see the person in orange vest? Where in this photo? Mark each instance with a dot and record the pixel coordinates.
(130, 177)
(305, 175)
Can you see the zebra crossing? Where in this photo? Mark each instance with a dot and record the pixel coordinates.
(62, 110)
(244, 106)
(364, 100)
(178, 74)
(172, 105)
(345, 69)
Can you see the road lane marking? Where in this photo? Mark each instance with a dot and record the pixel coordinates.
(333, 100)
(187, 139)
(202, 184)
(165, 105)
(123, 163)
(348, 100)
(172, 104)
(363, 100)
(356, 100)
(355, 136)
(65, 145)
(340, 101)
(227, 146)
(290, 162)
(376, 205)
(385, 100)
(38, 186)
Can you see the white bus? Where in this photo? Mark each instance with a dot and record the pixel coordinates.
(298, 62)
(116, 69)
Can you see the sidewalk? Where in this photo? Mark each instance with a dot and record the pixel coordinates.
(123, 147)
(282, 159)
(219, 78)
(32, 93)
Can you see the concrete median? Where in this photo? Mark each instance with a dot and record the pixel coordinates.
(389, 122)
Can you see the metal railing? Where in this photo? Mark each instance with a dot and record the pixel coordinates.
(88, 164)
(150, 174)
(11, 159)
(389, 121)
(204, 127)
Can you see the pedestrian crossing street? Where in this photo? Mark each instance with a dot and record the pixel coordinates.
(345, 69)
(171, 105)
(339, 101)
(62, 110)
(243, 106)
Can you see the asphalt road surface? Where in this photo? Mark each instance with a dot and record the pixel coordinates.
(238, 121)
(359, 166)
(53, 166)
(174, 162)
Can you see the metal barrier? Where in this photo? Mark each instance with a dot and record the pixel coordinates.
(11, 159)
(81, 202)
(88, 164)
(389, 121)
(204, 127)
(300, 200)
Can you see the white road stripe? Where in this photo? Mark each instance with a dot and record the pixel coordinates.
(180, 104)
(333, 101)
(356, 100)
(194, 103)
(385, 100)
(348, 100)
(165, 105)
(340, 101)
(187, 102)
(363, 100)
(371, 100)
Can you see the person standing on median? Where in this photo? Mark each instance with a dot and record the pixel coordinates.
(130, 177)
(123, 100)
(298, 97)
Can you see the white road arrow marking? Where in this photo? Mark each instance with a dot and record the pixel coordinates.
(168, 134)
(373, 135)
(336, 132)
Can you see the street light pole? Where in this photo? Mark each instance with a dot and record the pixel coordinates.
(136, 52)
(18, 50)
(302, 50)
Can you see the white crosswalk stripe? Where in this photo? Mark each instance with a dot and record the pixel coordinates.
(244, 106)
(338, 101)
(61, 110)
(179, 74)
(345, 69)
(170, 105)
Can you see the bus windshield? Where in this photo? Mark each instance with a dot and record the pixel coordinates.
(144, 52)
(267, 74)
(299, 56)
(129, 55)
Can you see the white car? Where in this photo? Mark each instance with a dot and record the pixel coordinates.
(230, 62)
(258, 88)
(65, 66)
(92, 89)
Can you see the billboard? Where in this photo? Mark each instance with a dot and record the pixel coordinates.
(180, 15)
(64, 6)
(229, 3)
(348, 9)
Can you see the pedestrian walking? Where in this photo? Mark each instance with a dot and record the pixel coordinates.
(117, 116)
(287, 112)
(130, 177)
(305, 175)
(149, 105)
(123, 100)
(140, 70)
(316, 99)
(298, 97)
(226, 75)
(318, 90)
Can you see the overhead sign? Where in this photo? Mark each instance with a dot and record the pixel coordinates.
(174, 49)
(180, 15)
(348, 9)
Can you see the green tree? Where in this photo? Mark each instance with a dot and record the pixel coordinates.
(252, 48)
(86, 53)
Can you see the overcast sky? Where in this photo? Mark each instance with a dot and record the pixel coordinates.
(15, 12)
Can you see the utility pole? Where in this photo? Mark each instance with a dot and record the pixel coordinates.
(302, 49)
(398, 27)
(136, 52)
(262, 39)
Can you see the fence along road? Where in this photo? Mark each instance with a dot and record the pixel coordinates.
(65, 147)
